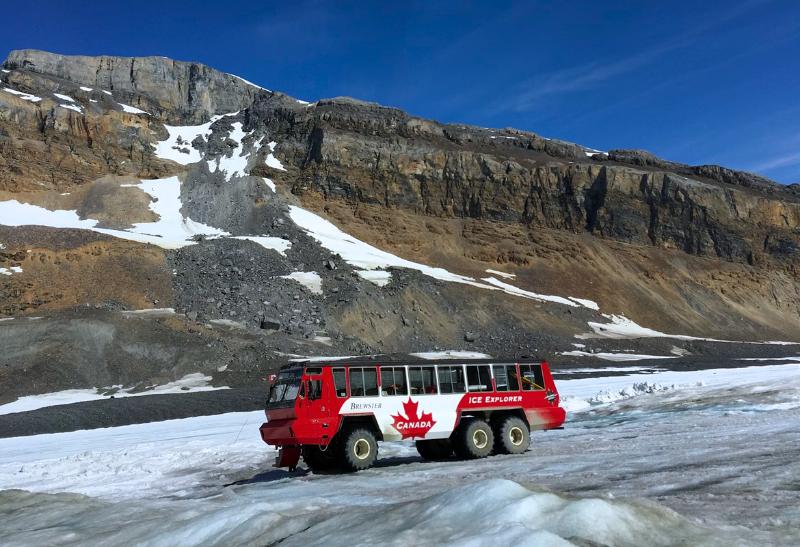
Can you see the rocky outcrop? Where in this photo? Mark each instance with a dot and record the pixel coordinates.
(374, 155)
(183, 92)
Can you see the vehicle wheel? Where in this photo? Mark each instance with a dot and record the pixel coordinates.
(435, 449)
(318, 459)
(359, 449)
(473, 439)
(512, 436)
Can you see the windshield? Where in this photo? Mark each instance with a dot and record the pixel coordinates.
(286, 387)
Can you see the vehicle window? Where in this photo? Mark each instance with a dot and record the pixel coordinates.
(451, 379)
(285, 387)
(479, 378)
(363, 382)
(371, 381)
(531, 376)
(422, 380)
(339, 382)
(393, 381)
(315, 389)
(357, 382)
(505, 377)
(276, 393)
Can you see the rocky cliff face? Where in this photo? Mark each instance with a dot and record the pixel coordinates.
(374, 155)
(695, 250)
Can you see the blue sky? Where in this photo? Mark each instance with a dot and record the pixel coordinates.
(697, 82)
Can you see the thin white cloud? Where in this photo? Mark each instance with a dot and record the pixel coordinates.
(536, 89)
(783, 160)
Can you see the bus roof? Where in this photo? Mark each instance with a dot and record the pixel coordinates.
(395, 361)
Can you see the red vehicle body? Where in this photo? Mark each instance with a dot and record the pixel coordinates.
(333, 413)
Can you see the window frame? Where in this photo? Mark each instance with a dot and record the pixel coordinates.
(336, 386)
(489, 386)
(424, 387)
(394, 372)
(362, 372)
(450, 382)
(507, 369)
(538, 375)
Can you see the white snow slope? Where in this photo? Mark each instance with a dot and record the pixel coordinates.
(712, 464)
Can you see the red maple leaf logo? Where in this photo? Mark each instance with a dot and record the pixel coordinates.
(413, 425)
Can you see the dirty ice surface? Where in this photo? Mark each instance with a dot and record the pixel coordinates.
(188, 384)
(607, 356)
(713, 460)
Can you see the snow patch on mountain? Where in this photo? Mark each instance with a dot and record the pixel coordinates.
(380, 277)
(366, 257)
(234, 165)
(273, 243)
(271, 160)
(251, 84)
(591, 304)
(501, 274)
(621, 327)
(311, 280)
(10, 271)
(178, 147)
(72, 107)
(24, 96)
(510, 289)
(172, 228)
(132, 109)
(14, 213)
(64, 97)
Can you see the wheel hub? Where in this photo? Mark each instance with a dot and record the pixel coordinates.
(361, 449)
(480, 439)
(516, 436)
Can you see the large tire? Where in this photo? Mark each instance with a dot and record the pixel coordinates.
(512, 436)
(358, 449)
(318, 459)
(435, 449)
(473, 439)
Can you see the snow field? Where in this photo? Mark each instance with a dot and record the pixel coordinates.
(165, 483)
(582, 393)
